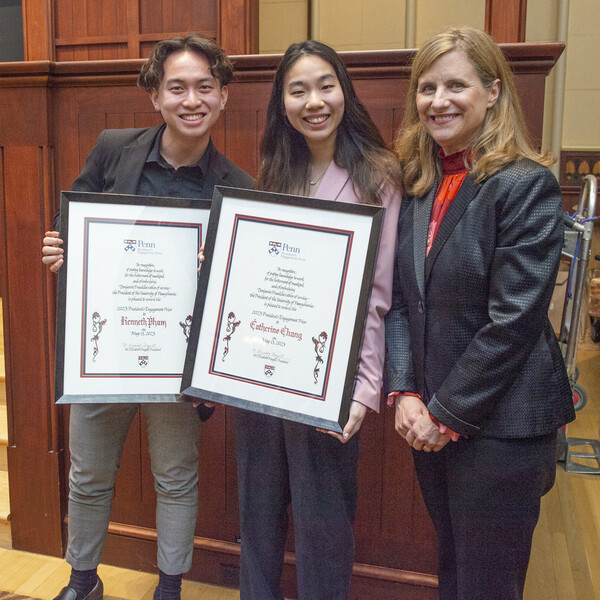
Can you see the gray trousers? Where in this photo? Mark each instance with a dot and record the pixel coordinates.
(97, 434)
(281, 462)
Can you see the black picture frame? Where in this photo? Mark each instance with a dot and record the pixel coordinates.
(242, 269)
(94, 228)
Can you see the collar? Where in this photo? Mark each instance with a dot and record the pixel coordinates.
(454, 164)
(155, 155)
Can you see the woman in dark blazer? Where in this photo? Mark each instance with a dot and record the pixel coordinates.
(474, 368)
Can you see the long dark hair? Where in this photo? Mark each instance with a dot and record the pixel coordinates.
(359, 148)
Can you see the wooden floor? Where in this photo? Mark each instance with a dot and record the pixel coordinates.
(565, 562)
(43, 577)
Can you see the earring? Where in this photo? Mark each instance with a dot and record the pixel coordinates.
(223, 106)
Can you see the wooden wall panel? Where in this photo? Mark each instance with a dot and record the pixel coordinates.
(532, 95)
(505, 20)
(134, 488)
(214, 519)
(74, 30)
(16, 130)
(177, 15)
(392, 522)
(241, 148)
(33, 451)
(238, 26)
(69, 105)
(38, 34)
(111, 29)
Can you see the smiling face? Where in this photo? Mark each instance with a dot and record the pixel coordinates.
(189, 98)
(452, 102)
(314, 101)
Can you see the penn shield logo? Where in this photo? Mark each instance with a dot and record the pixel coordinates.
(274, 248)
(269, 370)
(143, 361)
(129, 245)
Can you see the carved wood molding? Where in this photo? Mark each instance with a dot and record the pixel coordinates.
(537, 57)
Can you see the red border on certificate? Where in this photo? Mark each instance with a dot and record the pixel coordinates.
(221, 322)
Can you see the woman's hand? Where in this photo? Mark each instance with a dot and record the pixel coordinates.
(52, 253)
(408, 411)
(358, 412)
(413, 423)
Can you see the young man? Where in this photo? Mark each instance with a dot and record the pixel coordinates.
(186, 79)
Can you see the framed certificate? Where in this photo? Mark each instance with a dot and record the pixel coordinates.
(281, 305)
(125, 296)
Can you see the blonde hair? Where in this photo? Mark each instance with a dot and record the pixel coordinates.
(503, 138)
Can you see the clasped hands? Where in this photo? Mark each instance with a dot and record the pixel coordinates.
(413, 423)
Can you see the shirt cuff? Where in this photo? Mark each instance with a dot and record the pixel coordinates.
(392, 396)
(445, 430)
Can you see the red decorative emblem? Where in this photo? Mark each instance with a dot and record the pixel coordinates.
(319, 349)
(230, 328)
(97, 325)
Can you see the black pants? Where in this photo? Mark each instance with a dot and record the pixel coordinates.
(483, 496)
(281, 462)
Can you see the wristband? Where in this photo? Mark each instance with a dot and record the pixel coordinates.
(392, 395)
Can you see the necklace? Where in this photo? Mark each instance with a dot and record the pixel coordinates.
(315, 181)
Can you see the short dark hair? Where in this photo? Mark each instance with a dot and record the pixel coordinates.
(153, 70)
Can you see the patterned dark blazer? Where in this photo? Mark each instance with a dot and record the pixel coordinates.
(468, 328)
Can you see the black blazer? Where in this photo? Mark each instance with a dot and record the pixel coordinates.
(115, 164)
(468, 328)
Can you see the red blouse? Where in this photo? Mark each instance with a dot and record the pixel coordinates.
(454, 171)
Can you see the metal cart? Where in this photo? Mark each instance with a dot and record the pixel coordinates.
(577, 247)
